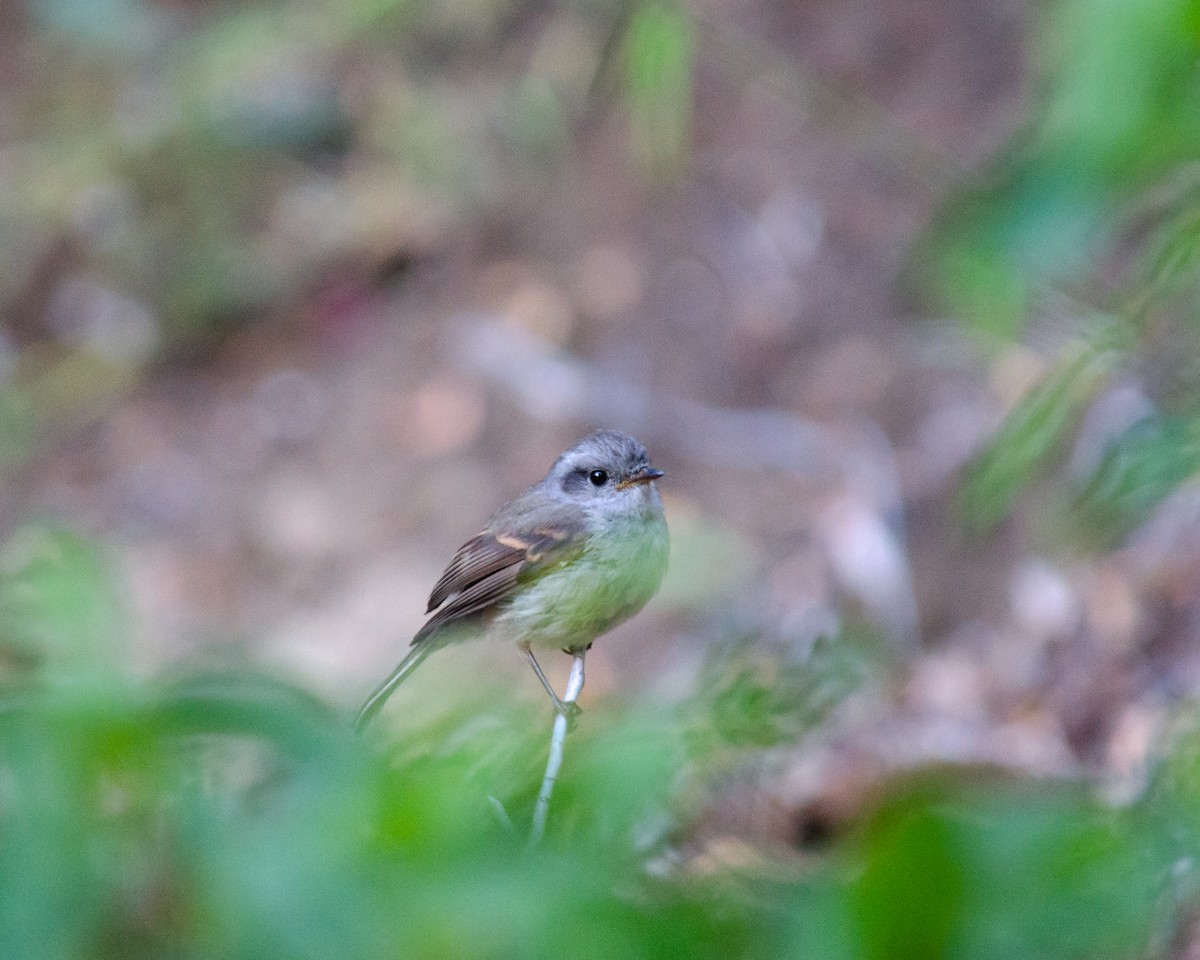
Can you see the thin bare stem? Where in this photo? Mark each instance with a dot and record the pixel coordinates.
(557, 739)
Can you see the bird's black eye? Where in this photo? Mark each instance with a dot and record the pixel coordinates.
(598, 477)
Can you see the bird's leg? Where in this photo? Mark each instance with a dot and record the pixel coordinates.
(565, 708)
(557, 740)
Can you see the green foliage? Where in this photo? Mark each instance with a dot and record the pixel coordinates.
(58, 605)
(755, 697)
(1114, 114)
(1031, 434)
(1045, 874)
(1139, 468)
(659, 54)
(230, 815)
(1096, 197)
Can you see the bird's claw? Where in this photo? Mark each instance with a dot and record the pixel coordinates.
(568, 709)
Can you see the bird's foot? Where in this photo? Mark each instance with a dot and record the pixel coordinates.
(568, 709)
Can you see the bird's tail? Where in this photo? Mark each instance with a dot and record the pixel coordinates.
(377, 699)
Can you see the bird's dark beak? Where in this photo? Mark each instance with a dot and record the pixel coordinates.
(645, 475)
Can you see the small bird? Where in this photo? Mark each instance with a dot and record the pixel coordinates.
(564, 562)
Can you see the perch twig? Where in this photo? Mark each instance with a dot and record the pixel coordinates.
(557, 739)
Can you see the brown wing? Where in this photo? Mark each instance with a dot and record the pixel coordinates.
(487, 568)
(476, 559)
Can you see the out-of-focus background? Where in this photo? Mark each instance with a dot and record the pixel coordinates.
(900, 296)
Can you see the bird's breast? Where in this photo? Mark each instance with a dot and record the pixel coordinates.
(614, 575)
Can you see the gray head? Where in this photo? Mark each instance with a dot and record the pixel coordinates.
(607, 470)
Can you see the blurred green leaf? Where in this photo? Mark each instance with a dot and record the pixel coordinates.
(1115, 114)
(59, 605)
(1173, 255)
(751, 697)
(711, 562)
(1139, 468)
(954, 872)
(659, 54)
(899, 917)
(1030, 436)
(1120, 83)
